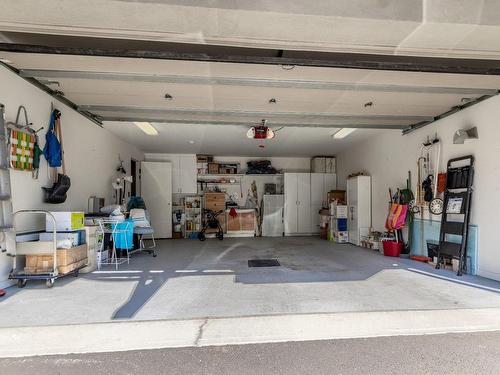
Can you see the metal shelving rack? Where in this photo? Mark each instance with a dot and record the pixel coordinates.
(192, 215)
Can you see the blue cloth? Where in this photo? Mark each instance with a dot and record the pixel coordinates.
(124, 240)
(52, 149)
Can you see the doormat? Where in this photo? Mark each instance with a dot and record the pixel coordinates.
(263, 263)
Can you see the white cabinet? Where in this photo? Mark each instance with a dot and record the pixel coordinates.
(321, 184)
(297, 203)
(184, 172)
(187, 176)
(156, 190)
(360, 208)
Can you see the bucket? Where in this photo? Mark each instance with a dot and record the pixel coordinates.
(392, 248)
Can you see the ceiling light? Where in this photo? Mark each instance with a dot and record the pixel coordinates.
(168, 96)
(342, 133)
(191, 142)
(147, 128)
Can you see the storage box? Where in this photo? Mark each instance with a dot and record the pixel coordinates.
(65, 221)
(339, 225)
(318, 165)
(392, 248)
(340, 237)
(338, 196)
(338, 211)
(75, 237)
(323, 164)
(331, 165)
(45, 262)
(213, 168)
(204, 158)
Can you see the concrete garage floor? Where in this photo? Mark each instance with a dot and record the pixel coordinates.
(191, 279)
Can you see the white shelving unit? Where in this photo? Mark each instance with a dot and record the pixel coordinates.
(192, 215)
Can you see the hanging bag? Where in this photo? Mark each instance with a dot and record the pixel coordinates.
(54, 153)
(21, 143)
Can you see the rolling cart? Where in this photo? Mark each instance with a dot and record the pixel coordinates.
(50, 277)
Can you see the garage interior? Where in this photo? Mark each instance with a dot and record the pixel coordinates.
(304, 147)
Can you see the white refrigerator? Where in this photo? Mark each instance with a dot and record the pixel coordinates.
(272, 215)
(359, 202)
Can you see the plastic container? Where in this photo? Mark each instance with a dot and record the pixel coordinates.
(392, 248)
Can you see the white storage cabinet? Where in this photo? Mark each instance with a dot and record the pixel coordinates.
(184, 172)
(297, 203)
(360, 208)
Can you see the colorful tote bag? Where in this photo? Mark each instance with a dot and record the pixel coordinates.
(22, 147)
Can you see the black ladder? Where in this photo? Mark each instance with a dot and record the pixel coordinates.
(456, 213)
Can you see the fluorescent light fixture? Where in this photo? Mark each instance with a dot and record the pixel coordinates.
(342, 133)
(147, 128)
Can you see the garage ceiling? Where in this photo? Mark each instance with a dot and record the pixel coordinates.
(219, 100)
(215, 98)
(446, 28)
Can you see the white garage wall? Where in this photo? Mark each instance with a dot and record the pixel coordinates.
(91, 154)
(389, 156)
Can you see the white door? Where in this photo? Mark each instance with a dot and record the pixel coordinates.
(156, 188)
(187, 174)
(352, 202)
(317, 199)
(304, 203)
(291, 199)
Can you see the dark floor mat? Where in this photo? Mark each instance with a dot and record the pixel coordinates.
(263, 263)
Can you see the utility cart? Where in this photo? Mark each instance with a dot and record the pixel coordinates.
(23, 249)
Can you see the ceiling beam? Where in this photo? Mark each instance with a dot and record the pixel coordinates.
(247, 124)
(209, 53)
(458, 108)
(253, 82)
(259, 114)
(56, 95)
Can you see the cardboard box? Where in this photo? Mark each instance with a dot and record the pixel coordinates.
(318, 165)
(323, 164)
(73, 266)
(65, 257)
(331, 165)
(338, 196)
(65, 221)
(204, 158)
(213, 168)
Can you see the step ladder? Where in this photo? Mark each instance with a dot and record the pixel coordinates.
(6, 213)
(456, 213)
